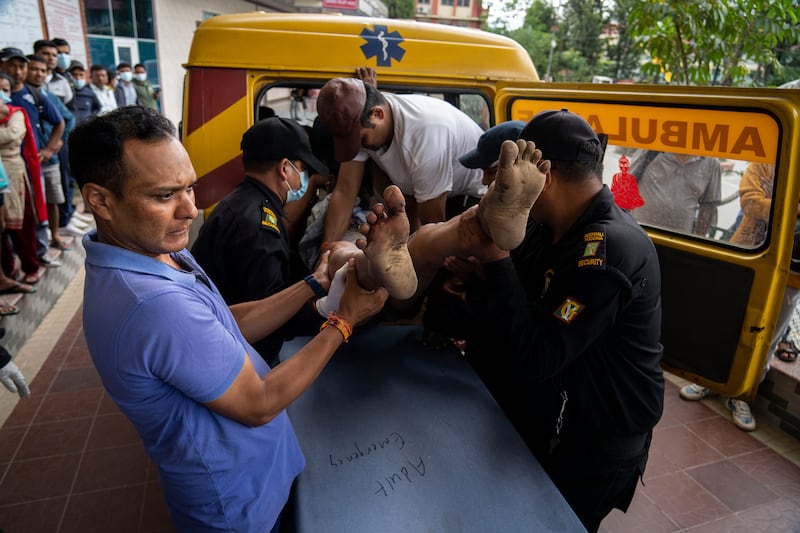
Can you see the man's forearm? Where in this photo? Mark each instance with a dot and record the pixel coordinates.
(55, 142)
(259, 318)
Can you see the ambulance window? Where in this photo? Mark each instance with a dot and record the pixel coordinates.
(298, 103)
(476, 107)
(697, 195)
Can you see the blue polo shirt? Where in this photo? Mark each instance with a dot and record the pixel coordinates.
(164, 343)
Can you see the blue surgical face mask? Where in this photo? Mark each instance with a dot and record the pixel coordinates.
(5, 97)
(296, 194)
(80, 84)
(140, 76)
(63, 61)
(126, 76)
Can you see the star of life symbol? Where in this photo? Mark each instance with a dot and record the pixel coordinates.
(382, 44)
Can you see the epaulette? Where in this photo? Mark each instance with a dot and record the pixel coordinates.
(269, 220)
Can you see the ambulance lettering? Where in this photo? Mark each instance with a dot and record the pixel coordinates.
(677, 134)
(749, 135)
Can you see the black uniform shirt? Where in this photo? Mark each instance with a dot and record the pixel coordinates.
(244, 249)
(581, 317)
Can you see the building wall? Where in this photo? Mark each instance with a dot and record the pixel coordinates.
(176, 21)
(452, 12)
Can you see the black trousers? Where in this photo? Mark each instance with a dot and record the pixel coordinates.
(594, 484)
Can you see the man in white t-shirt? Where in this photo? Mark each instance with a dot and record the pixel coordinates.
(416, 140)
(100, 87)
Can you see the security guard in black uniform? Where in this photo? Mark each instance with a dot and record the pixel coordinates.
(565, 331)
(244, 244)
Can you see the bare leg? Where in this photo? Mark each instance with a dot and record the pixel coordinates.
(503, 210)
(386, 246)
(341, 252)
(402, 264)
(382, 259)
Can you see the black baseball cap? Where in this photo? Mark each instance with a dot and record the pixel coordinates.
(489, 144)
(563, 136)
(11, 52)
(274, 138)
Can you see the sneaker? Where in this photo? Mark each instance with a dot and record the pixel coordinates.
(48, 262)
(86, 218)
(78, 223)
(75, 230)
(742, 416)
(695, 392)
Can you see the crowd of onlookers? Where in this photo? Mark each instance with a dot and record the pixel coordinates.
(43, 96)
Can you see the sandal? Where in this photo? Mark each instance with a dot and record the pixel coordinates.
(786, 352)
(31, 279)
(6, 310)
(18, 288)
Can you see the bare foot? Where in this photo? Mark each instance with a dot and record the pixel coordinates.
(503, 210)
(386, 246)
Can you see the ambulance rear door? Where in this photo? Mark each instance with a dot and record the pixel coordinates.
(720, 299)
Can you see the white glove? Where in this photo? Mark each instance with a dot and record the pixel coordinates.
(330, 302)
(14, 381)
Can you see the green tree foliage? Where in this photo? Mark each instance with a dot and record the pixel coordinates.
(710, 41)
(623, 54)
(536, 32)
(789, 58)
(581, 29)
(576, 56)
(540, 17)
(400, 9)
(690, 42)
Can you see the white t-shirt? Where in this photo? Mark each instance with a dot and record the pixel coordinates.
(422, 159)
(106, 97)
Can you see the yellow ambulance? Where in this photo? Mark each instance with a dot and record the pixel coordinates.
(720, 299)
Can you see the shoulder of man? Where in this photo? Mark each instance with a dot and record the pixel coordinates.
(248, 206)
(592, 254)
(615, 243)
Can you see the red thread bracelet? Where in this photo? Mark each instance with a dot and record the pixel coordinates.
(339, 323)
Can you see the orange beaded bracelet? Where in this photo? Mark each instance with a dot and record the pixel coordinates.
(339, 323)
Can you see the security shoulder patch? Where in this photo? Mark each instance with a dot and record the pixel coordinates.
(568, 310)
(269, 220)
(594, 249)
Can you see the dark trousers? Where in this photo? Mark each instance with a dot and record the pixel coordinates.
(593, 483)
(66, 209)
(22, 242)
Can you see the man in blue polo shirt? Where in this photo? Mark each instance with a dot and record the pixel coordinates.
(174, 357)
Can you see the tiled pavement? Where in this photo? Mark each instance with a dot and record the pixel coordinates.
(70, 461)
